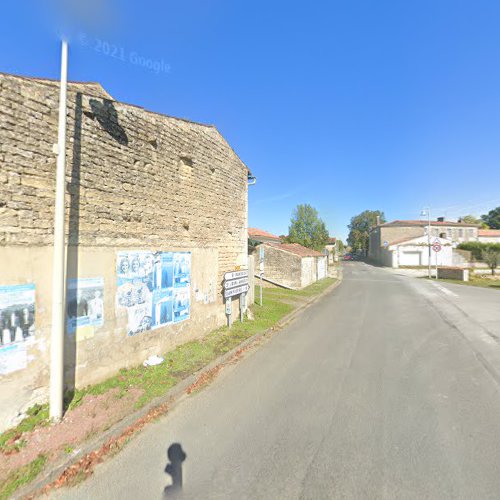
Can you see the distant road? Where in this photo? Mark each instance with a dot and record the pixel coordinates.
(387, 388)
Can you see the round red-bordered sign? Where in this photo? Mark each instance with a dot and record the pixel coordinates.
(436, 247)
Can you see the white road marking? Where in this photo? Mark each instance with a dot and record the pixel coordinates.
(444, 290)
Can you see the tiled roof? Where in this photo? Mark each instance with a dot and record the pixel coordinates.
(297, 249)
(256, 232)
(426, 223)
(489, 232)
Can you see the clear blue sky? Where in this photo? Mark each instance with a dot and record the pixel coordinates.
(346, 105)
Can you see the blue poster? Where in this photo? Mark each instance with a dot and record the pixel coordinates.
(162, 313)
(182, 269)
(146, 282)
(181, 304)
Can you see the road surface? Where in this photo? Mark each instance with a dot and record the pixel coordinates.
(384, 389)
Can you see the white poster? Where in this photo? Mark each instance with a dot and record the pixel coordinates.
(85, 303)
(17, 325)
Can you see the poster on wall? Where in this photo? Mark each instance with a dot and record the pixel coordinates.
(146, 282)
(182, 269)
(17, 325)
(85, 303)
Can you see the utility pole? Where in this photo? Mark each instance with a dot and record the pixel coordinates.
(58, 263)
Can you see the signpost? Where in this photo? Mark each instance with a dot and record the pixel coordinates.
(231, 292)
(235, 283)
(261, 270)
(436, 246)
(235, 275)
(228, 311)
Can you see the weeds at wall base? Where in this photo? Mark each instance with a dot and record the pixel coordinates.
(181, 362)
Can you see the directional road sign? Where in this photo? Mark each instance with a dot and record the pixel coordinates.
(236, 282)
(231, 292)
(235, 274)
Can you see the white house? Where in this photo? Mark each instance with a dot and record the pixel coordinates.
(415, 252)
(489, 235)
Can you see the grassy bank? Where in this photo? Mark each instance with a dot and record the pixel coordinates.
(476, 281)
(151, 382)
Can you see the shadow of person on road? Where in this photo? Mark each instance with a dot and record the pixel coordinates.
(176, 456)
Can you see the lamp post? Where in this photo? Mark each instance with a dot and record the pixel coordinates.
(58, 262)
(427, 211)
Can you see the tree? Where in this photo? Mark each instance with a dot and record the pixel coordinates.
(359, 229)
(307, 229)
(492, 258)
(471, 219)
(492, 218)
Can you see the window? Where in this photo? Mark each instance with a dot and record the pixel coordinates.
(448, 232)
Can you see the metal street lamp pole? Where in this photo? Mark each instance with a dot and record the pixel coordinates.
(429, 238)
(58, 264)
(427, 211)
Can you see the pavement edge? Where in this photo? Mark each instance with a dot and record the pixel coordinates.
(174, 396)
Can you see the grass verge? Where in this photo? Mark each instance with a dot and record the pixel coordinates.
(155, 381)
(476, 281)
(37, 416)
(21, 476)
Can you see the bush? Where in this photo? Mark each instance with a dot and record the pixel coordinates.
(492, 258)
(477, 248)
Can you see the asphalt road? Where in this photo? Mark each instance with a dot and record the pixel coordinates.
(385, 389)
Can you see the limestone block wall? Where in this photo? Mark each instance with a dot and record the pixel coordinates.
(136, 180)
(280, 266)
(453, 273)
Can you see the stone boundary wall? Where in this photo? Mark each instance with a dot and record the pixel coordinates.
(453, 273)
(136, 181)
(280, 266)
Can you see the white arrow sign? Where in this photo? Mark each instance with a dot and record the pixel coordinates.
(237, 282)
(231, 292)
(235, 274)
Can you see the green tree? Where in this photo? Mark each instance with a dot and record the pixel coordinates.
(307, 229)
(492, 258)
(471, 219)
(359, 229)
(492, 218)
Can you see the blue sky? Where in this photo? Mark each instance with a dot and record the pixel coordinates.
(390, 105)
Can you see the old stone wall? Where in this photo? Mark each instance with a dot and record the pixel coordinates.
(280, 266)
(136, 181)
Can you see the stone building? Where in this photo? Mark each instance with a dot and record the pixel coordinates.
(489, 235)
(156, 212)
(259, 235)
(388, 234)
(291, 265)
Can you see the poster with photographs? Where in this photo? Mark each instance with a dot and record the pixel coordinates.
(85, 303)
(181, 304)
(146, 287)
(17, 325)
(182, 269)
